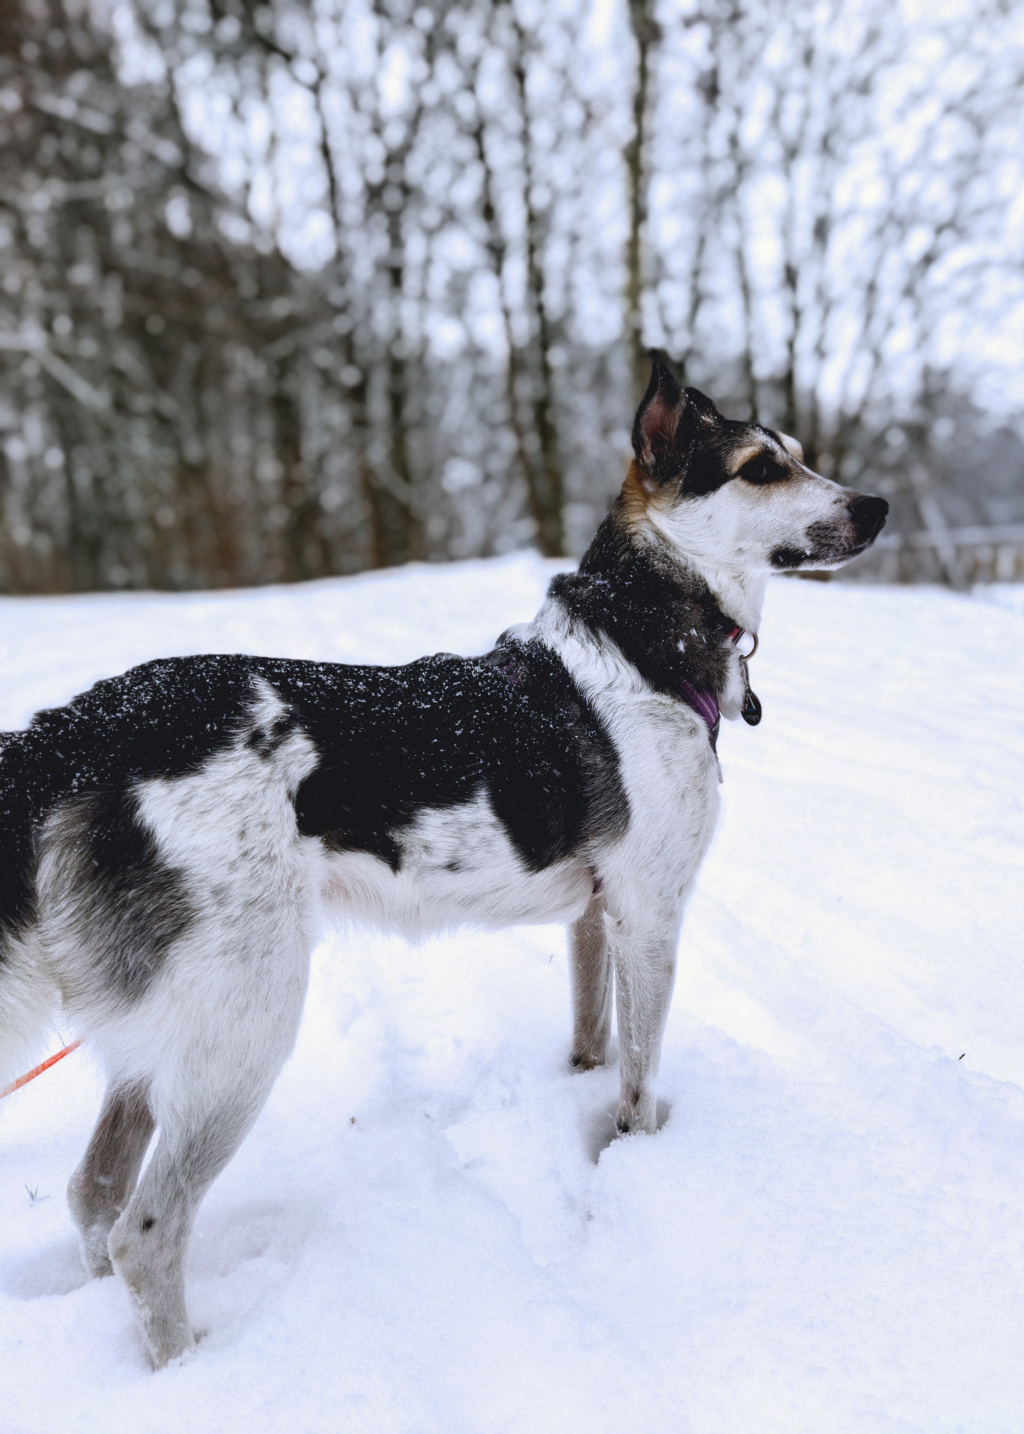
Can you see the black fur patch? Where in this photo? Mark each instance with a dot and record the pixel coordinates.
(163, 719)
(390, 740)
(393, 740)
(710, 453)
(667, 623)
(786, 557)
(266, 740)
(128, 906)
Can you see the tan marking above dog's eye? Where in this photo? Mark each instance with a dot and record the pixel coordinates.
(743, 455)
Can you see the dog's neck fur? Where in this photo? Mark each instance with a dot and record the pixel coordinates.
(739, 593)
(670, 618)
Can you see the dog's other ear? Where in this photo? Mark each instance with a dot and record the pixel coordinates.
(657, 424)
(700, 408)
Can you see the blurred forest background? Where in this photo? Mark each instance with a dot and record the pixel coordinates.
(308, 286)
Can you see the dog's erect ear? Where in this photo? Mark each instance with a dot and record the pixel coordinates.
(700, 408)
(656, 425)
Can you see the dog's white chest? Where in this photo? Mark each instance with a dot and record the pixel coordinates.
(671, 777)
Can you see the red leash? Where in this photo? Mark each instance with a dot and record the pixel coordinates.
(38, 1070)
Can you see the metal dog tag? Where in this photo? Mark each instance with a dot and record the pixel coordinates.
(751, 712)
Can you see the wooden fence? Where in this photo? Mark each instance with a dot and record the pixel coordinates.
(957, 557)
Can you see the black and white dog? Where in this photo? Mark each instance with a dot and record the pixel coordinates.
(169, 838)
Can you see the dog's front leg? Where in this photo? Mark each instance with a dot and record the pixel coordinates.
(644, 954)
(591, 967)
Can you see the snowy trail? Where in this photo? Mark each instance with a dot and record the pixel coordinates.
(427, 1231)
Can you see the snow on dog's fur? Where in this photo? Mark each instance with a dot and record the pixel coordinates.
(170, 838)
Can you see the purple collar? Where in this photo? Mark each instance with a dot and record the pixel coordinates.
(705, 704)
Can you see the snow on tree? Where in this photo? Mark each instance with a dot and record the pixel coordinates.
(308, 286)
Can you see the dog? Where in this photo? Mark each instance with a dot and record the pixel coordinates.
(170, 838)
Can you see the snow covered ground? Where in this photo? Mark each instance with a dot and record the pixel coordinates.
(428, 1230)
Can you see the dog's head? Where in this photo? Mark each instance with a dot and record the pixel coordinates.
(735, 495)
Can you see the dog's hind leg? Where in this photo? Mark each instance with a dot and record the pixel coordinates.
(149, 1242)
(101, 1186)
(204, 1114)
(233, 1014)
(592, 983)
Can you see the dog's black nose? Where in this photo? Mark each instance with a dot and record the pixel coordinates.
(868, 515)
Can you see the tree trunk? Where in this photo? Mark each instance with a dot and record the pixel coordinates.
(546, 484)
(645, 34)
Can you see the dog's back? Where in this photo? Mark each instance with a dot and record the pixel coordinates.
(130, 814)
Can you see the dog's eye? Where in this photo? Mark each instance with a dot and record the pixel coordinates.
(761, 469)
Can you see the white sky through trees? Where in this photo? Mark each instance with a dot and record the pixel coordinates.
(413, 230)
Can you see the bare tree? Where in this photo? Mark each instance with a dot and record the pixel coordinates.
(646, 33)
(126, 308)
(305, 286)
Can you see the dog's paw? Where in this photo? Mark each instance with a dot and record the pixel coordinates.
(168, 1341)
(95, 1256)
(640, 1114)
